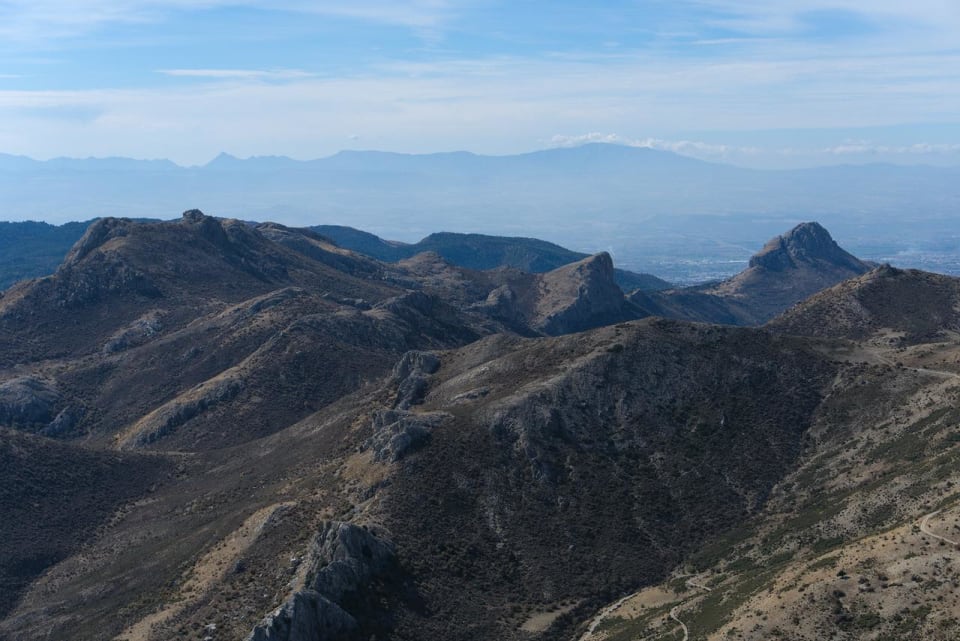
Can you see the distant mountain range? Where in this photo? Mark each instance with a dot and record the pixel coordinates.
(652, 210)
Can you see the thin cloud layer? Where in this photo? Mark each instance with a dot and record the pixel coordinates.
(244, 74)
(187, 79)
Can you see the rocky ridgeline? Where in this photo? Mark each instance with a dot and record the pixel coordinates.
(342, 559)
(788, 269)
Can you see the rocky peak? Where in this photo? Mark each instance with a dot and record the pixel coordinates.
(208, 227)
(886, 270)
(194, 216)
(578, 296)
(806, 243)
(96, 235)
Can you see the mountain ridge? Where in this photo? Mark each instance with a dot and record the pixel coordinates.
(515, 450)
(788, 269)
(480, 252)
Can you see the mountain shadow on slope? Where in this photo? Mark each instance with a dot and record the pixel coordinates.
(53, 496)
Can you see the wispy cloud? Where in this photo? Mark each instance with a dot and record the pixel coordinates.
(720, 66)
(47, 20)
(762, 17)
(863, 147)
(234, 74)
(759, 155)
(499, 105)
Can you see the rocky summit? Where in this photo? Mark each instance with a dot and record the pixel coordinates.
(219, 430)
(788, 269)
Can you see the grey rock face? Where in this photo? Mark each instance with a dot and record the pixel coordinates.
(348, 557)
(138, 332)
(306, 616)
(343, 559)
(64, 422)
(580, 296)
(96, 235)
(169, 417)
(400, 432)
(805, 244)
(27, 401)
(411, 374)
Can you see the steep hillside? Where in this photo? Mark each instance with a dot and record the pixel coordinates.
(903, 306)
(506, 482)
(121, 270)
(859, 542)
(202, 333)
(53, 497)
(205, 333)
(571, 298)
(576, 467)
(787, 270)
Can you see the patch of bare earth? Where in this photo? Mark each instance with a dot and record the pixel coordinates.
(205, 573)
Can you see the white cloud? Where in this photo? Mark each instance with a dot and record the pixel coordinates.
(560, 140)
(764, 17)
(695, 148)
(739, 153)
(862, 147)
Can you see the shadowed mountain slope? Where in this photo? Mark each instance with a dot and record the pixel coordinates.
(861, 540)
(509, 477)
(120, 270)
(54, 496)
(32, 249)
(575, 297)
(578, 466)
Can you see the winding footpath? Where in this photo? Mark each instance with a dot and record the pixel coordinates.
(691, 583)
(603, 615)
(673, 611)
(925, 528)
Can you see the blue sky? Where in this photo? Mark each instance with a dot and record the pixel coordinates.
(755, 82)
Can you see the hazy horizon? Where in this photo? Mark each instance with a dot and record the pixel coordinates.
(823, 163)
(758, 84)
(679, 218)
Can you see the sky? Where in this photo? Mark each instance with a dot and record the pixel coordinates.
(760, 83)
